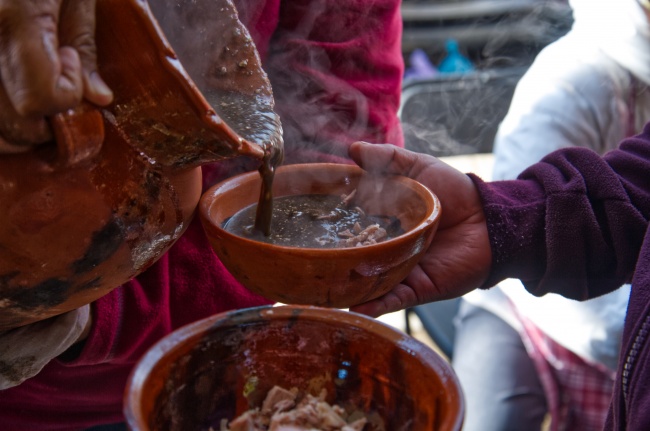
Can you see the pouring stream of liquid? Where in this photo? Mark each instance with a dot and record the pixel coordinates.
(219, 55)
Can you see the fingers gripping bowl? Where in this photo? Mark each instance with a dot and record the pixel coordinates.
(334, 277)
(219, 367)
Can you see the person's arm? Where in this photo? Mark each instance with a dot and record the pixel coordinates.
(336, 70)
(574, 222)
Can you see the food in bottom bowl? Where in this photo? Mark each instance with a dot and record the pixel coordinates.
(285, 410)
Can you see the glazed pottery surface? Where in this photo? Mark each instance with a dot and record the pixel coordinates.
(84, 214)
(69, 236)
(224, 365)
(336, 277)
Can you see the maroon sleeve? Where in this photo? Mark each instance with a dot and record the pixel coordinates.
(336, 69)
(574, 222)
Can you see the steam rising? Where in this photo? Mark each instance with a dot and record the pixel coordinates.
(459, 114)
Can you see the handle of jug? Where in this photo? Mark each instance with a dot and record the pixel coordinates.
(79, 134)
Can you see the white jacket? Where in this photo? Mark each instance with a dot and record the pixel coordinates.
(591, 89)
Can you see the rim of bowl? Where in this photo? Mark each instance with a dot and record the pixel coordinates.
(170, 343)
(207, 201)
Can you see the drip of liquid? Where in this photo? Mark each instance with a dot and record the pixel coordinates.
(253, 118)
(264, 210)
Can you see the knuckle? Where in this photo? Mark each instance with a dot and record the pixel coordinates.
(29, 103)
(23, 133)
(85, 46)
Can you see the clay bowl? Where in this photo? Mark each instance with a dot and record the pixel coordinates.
(221, 366)
(89, 211)
(339, 277)
(71, 232)
(102, 202)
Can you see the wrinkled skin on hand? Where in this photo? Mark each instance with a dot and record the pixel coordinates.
(460, 256)
(47, 65)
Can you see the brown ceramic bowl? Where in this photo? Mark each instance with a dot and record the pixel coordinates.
(221, 366)
(87, 213)
(339, 277)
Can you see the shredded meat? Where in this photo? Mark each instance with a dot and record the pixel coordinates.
(282, 410)
(370, 235)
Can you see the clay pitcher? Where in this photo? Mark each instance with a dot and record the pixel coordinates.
(86, 213)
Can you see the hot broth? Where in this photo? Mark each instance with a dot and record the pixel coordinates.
(316, 221)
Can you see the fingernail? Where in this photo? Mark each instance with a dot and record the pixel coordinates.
(100, 88)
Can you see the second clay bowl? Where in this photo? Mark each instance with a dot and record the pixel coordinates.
(219, 367)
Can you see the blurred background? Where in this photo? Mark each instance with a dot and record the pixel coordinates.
(463, 59)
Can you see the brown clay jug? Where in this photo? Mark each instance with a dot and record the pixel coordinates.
(86, 213)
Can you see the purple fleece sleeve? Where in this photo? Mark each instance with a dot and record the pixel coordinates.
(573, 222)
